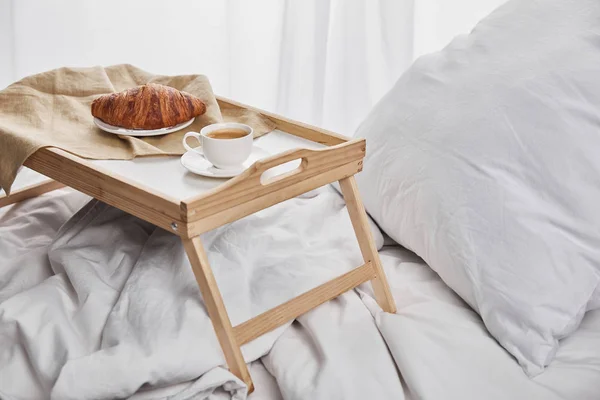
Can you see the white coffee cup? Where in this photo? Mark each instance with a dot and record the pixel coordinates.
(223, 153)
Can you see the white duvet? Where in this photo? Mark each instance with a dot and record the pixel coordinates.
(443, 350)
(107, 308)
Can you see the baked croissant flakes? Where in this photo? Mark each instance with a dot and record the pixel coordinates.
(150, 106)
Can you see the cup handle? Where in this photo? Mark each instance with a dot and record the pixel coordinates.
(188, 147)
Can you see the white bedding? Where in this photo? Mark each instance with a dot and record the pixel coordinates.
(483, 159)
(81, 328)
(107, 306)
(443, 350)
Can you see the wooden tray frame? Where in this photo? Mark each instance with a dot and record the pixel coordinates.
(236, 198)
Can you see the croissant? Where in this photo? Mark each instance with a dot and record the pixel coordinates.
(150, 106)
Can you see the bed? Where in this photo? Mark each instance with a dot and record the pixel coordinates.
(438, 343)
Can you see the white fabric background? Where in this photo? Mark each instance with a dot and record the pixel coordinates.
(325, 62)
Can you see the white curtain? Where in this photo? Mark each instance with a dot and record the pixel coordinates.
(325, 62)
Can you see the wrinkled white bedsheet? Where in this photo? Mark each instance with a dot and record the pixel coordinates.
(443, 350)
(107, 306)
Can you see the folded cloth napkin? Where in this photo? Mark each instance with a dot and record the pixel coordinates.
(52, 109)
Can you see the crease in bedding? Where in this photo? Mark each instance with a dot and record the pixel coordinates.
(117, 312)
(444, 351)
(337, 351)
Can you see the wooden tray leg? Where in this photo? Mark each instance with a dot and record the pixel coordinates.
(216, 310)
(29, 192)
(360, 222)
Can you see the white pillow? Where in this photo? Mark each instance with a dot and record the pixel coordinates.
(484, 159)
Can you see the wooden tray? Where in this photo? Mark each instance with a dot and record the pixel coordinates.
(245, 194)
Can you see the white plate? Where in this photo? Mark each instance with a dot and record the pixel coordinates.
(140, 132)
(199, 165)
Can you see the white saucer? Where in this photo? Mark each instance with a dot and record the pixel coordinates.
(199, 165)
(140, 132)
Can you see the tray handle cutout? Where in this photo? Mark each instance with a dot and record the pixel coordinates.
(282, 171)
(277, 167)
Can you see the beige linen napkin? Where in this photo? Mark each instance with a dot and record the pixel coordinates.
(53, 109)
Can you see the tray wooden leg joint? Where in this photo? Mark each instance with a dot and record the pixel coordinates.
(216, 310)
(231, 338)
(360, 223)
(30, 192)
